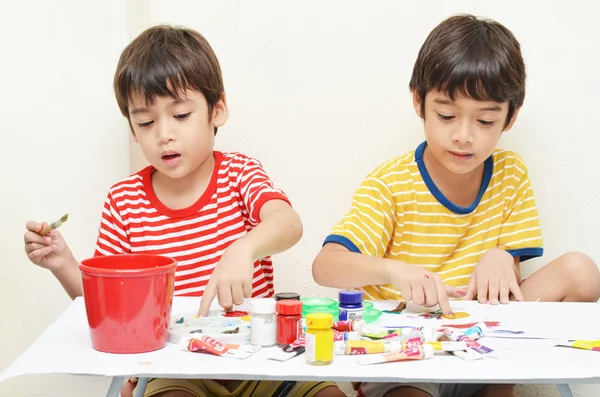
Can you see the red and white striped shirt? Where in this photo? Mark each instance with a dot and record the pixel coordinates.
(135, 221)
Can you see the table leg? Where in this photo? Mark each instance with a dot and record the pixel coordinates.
(140, 388)
(565, 390)
(115, 386)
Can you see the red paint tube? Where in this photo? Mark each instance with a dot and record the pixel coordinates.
(300, 342)
(350, 326)
(206, 344)
(339, 335)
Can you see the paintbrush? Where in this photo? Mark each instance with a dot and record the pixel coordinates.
(43, 231)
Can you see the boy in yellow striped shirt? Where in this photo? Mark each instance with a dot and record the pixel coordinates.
(456, 216)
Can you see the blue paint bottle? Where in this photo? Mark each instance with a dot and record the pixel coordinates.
(350, 305)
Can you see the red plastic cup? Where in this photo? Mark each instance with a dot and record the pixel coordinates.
(128, 300)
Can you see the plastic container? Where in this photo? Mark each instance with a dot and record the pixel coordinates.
(371, 315)
(263, 322)
(319, 339)
(319, 305)
(350, 306)
(289, 321)
(128, 300)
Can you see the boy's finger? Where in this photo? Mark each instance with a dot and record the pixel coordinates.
(237, 293)
(33, 237)
(418, 296)
(35, 226)
(454, 292)
(224, 296)
(443, 298)
(37, 255)
(494, 291)
(504, 292)
(207, 298)
(471, 290)
(482, 289)
(516, 291)
(247, 287)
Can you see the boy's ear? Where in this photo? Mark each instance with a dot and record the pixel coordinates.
(220, 112)
(512, 120)
(417, 103)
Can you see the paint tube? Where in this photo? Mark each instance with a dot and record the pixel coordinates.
(350, 326)
(441, 335)
(340, 336)
(359, 347)
(476, 346)
(414, 335)
(206, 344)
(292, 347)
(282, 355)
(415, 352)
(593, 345)
(477, 331)
(448, 346)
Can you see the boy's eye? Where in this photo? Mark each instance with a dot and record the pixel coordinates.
(146, 124)
(182, 116)
(486, 123)
(445, 118)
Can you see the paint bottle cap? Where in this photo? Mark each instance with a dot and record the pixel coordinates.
(339, 347)
(427, 351)
(287, 295)
(319, 320)
(350, 297)
(263, 306)
(289, 307)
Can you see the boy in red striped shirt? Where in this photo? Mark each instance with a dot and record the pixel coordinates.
(218, 214)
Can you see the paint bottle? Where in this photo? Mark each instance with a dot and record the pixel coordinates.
(263, 324)
(350, 305)
(289, 321)
(319, 339)
(476, 331)
(287, 295)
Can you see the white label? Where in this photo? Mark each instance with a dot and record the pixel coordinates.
(262, 333)
(310, 348)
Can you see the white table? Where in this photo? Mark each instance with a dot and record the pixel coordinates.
(65, 347)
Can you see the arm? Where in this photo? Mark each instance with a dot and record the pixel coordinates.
(337, 267)
(279, 229)
(69, 277)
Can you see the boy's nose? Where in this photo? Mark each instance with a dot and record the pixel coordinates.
(165, 133)
(463, 134)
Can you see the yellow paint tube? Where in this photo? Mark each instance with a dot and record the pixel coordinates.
(582, 344)
(414, 352)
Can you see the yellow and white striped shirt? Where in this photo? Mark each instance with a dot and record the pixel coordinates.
(399, 213)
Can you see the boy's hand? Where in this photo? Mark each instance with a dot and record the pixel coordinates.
(232, 278)
(422, 287)
(50, 251)
(494, 278)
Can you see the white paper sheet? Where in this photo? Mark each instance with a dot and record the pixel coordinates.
(65, 347)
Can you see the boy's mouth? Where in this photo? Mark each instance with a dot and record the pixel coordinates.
(461, 155)
(169, 155)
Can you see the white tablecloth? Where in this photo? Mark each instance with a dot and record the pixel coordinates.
(65, 347)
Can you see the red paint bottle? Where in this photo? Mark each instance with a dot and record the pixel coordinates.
(289, 321)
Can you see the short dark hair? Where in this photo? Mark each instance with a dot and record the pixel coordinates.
(477, 58)
(164, 61)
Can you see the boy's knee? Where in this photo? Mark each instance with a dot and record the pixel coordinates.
(583, 274)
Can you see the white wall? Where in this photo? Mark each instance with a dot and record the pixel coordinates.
(64, 143)
(317, 90)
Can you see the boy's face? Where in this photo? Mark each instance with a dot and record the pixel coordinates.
(463, 133)
(176, 135)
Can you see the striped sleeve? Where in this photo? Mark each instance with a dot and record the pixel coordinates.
(256, 189)
(112, 238)
(369, 224)
(520, 233)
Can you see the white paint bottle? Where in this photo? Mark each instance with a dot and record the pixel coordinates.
(263, 322)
